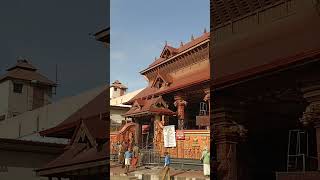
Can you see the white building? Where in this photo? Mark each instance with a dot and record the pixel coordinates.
(117, 89)
(118, 97)
(23, 89)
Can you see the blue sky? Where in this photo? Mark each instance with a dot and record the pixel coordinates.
(140, 28)
(57, 32)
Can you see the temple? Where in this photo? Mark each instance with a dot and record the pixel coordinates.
(265, 83)
(178, 93)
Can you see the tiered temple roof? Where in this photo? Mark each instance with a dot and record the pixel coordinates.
(194, 77)
(23, 70)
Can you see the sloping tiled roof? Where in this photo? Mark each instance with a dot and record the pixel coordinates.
(118, 101)
(118, 84)
(23, 64)
(194, 78)
(103, 35)
(25, 71)
(186, 46)
(95, 107)
(77, 153)
(148, 106)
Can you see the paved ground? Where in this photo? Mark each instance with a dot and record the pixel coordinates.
(154, 173)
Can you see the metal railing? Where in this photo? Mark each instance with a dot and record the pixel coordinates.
(150, 157)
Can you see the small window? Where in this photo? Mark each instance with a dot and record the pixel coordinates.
(115, 89)
(17, 88)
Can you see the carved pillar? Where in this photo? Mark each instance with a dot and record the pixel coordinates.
(207, 99)
(227, 133)
(311, 116)
(180, 103)
(138, 133)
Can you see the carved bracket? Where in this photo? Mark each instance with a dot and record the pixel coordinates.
(311, 114)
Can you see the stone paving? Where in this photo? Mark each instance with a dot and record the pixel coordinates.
(154, 173)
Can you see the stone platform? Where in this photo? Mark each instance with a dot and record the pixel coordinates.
(155, 173)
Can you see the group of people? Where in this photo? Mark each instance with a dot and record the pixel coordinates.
(128, 155)
(205, 158)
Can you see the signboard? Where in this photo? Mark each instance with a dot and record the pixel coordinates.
(180, 135)
(202, 121)
(169, 136)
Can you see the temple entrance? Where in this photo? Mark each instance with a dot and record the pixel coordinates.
(148, 134)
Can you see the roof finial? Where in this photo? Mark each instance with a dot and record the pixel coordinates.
(192, 38)
(205, 30)
(166, 43)
(21, 59)
(155, 58)
(181, 43)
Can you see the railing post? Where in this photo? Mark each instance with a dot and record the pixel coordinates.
(304, 162)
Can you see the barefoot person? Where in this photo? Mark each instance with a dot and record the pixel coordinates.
(121, 151)
(135, 156)
(205, 158)
(167, 159)
(167, 162)
(127, 160)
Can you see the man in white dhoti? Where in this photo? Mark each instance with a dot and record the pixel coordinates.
(205, 158)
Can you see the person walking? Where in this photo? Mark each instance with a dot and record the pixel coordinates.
(135, 156)
(205, 158)
(127, 160)
(167, 162)
(121, 151)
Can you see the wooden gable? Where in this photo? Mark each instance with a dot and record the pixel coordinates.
(168, 52)
(160, 103)
(83, 136)
(161, 81)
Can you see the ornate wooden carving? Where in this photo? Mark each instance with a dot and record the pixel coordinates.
(317, 5)
(312, 113)
(227, 134)
(180, 103)
(190, 148)
(202, 121)
(126, 134)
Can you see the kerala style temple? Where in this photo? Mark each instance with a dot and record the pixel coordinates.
(266, 89)
(178, 93)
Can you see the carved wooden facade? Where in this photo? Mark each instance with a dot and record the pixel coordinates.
(190, 148)
(180, 78)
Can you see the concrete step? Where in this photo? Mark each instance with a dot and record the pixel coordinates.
(123, 177)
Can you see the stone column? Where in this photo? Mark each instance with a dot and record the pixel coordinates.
(207, 99)
(227, 134)
(311, 116)
(180, 103)
(138, 133)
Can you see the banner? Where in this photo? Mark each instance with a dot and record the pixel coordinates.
(169, 135)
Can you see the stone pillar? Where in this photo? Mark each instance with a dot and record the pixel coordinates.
(207, 99)
(227, 134)
(311, 116)
(180, 103)
(138, 133)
